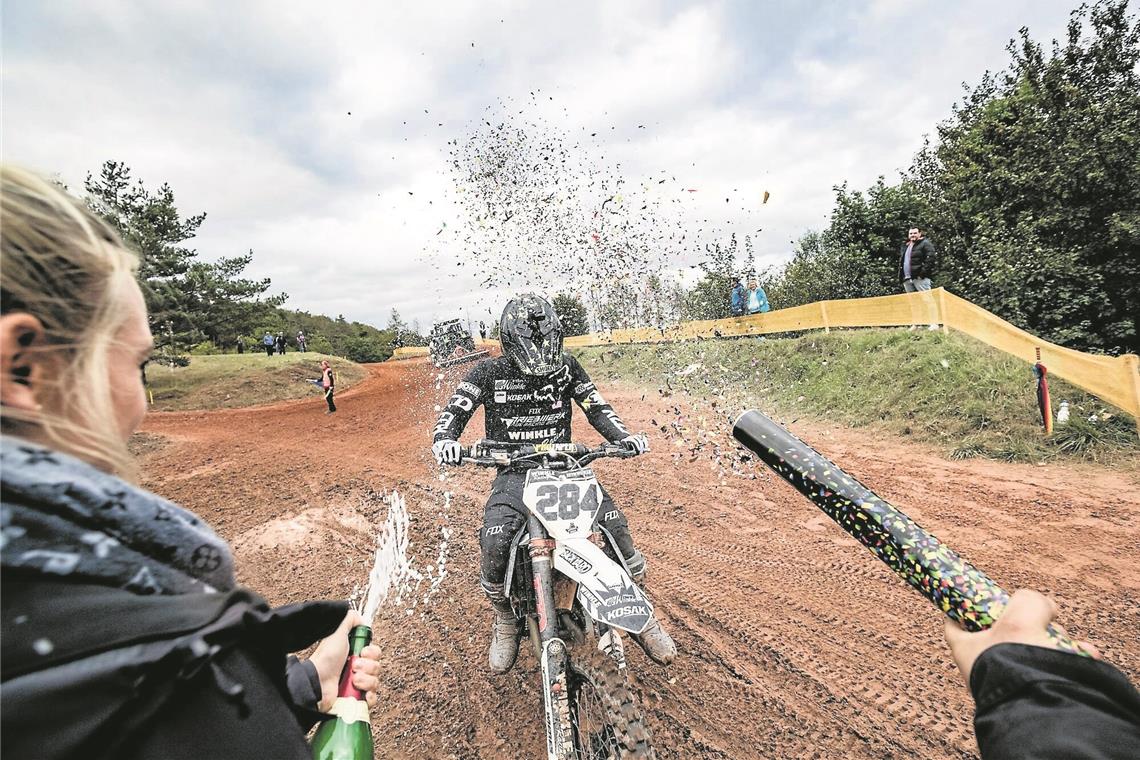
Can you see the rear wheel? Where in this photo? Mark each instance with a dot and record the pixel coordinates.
(606, 717)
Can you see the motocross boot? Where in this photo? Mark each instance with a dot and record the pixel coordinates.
(657, 643)
(504, 647)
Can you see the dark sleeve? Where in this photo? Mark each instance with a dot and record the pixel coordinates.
(466, 399)
(303, 682)
(930, 260)
(1034, 702)
(600, 414)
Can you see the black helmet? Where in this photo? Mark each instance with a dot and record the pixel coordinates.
(531, 334)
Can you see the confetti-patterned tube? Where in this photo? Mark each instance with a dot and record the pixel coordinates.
(963, 592)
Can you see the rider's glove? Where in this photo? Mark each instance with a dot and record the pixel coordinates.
(638, 444)
(446, 452)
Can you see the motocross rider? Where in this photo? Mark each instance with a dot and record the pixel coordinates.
(527, 393)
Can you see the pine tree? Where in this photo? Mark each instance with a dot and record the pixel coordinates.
(188, 300)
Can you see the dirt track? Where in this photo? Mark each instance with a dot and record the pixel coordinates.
(794, 642)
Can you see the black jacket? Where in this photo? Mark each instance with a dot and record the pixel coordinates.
(922, 259)
(1045, 704)
(526, 408)
(127, 676)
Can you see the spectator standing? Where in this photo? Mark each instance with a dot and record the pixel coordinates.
(301, 345)
(739, 299)
(482, 330)
(757, 299)
(328, 382)
(241, 345)
(268, 343)
(916, 261)
(280, 343)
(916, 265)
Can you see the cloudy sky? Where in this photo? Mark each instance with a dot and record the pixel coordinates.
(317, 134)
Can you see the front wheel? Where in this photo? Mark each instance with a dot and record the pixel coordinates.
(604, 713)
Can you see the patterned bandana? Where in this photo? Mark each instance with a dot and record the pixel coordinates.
(62, 517)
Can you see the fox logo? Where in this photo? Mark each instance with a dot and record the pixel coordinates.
(461, 402)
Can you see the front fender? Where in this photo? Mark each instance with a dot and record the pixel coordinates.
(605, 590)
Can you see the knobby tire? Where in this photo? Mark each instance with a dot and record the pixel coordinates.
(591, 670)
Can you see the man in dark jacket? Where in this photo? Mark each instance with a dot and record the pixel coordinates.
(916, 261)
(1036, 701)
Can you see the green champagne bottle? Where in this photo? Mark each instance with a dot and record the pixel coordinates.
(348, 736)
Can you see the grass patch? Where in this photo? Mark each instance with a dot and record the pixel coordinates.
(949, 390)
(227, 381)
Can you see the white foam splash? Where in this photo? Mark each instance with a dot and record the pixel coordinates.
(390, 564)
(394, 577)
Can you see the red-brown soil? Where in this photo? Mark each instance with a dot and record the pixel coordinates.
(794, 641)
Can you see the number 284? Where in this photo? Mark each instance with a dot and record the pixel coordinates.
(565, 501)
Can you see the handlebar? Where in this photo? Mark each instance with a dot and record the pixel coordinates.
(555, 456)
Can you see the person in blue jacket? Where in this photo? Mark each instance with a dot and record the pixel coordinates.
(756, 300)
(739, 299)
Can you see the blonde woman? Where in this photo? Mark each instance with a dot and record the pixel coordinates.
(124, 633)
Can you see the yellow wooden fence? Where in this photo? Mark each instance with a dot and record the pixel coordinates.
(1116, 379)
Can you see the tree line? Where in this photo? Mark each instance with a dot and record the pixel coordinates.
(1030, 192)
(197, 306)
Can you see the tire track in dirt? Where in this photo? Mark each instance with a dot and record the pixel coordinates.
(794, 642)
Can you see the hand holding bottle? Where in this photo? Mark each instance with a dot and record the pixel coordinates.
(329, 659)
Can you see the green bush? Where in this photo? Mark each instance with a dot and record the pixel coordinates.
(366, 350)
(204, 348)
(320, 344)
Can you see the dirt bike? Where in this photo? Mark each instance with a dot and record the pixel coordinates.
(575, 599)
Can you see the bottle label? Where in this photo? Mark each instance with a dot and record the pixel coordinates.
(350, 710)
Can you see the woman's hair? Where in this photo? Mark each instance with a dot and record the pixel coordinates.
(67, 268)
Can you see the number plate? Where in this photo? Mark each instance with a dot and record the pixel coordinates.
(565, 502)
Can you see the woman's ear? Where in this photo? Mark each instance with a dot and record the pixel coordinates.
(22, 361)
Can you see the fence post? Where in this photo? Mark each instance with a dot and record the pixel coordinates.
(1132, 367)
(942, 311)
(823, 312)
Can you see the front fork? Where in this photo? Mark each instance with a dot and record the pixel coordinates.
(559, 732)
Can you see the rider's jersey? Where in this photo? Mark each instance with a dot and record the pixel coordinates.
(526, 408)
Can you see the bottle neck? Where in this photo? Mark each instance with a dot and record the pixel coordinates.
(358, 638)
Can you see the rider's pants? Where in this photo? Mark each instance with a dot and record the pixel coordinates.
(505, 513)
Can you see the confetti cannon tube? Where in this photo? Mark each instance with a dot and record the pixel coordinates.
(963, 592)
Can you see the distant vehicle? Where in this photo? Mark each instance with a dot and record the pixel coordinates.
(450, 344)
